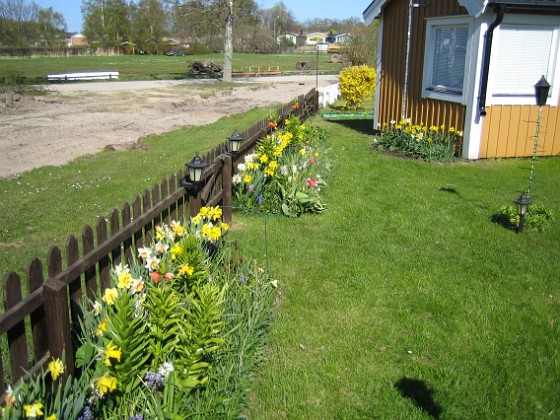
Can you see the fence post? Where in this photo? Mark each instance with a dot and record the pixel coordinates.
(58, 324)
(195, 203)
(227, 173)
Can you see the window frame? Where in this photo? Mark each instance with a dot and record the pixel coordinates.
(553, 76)
(432, 24)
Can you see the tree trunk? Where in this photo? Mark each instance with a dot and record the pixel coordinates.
(228, 45)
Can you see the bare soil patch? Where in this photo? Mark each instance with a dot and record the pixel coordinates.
(71, 120)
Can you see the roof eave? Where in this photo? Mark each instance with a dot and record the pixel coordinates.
(373, 10)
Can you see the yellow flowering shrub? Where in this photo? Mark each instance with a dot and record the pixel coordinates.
(357, 84)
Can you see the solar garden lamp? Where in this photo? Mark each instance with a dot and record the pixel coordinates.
(523, 203)
(195, 169)
(235, 141)
(542, 87)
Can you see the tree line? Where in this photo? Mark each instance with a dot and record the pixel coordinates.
(25, 24)
(110, 24)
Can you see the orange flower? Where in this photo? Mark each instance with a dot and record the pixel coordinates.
(155, 277)
(272, 124)
(296, 105)
(168, 276)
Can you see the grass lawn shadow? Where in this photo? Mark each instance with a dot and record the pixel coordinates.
(420, 394)
(362, 126)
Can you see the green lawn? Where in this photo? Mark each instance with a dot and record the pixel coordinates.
(158, 66)
(405, 301)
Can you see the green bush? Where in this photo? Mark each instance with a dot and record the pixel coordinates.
(357, 84)
(417, 140)
(537, 219)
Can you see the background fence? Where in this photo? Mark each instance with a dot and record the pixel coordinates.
(44, 324)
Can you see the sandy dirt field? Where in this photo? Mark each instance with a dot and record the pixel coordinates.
(71, 120)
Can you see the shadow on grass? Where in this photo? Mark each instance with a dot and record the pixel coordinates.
(364, 126)
(420, 394)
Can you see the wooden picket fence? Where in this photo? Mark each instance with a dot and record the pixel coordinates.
(44, 324)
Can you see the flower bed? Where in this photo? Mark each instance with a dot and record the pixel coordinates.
(419, 141)
(165, 340)
(286, 174)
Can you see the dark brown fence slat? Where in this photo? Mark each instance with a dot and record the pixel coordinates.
(227, 189)
(88, 243)
(58, 324)
(116, 252)
(172, 189)
(127, 243)
(148, 229)
(155, 199)
(75, 285)
(104, 267)
(17, 341)
(38, 321)
(136, 213)
(164, 193)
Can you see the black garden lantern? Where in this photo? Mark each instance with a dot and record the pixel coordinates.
(195, 170)
(235, 141)
(523, 203)
(541, 91)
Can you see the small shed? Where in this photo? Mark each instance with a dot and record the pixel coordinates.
(472, 65)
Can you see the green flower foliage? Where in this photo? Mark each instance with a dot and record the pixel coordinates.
(419, 141)
(164, 338)
(285, 175)
(357, 84)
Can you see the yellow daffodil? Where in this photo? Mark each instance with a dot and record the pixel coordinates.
(106, 384)
(110, 296)
(124, 280)
(177, 228)
(263, 159)
(247, 178)
(176, 249)
(56, 368)
(101, 328)
(33, 410)
(112, 352)
(185, 269)
(224, 226)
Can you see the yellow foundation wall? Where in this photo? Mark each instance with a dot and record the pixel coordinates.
(510, 131)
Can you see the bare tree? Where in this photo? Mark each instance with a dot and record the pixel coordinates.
(16, 18)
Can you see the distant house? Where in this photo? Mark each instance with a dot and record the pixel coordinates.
(471, 64)
(315, 38)
(76, 40)
(287, 38)
(342, 38)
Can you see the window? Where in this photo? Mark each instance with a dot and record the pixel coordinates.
(522, 52)
(445, 60)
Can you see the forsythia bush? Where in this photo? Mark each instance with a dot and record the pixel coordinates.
(357, 84)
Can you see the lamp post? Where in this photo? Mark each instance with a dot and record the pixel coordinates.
(195, 169)
(523, 203)
(542, 88)
(235, 141)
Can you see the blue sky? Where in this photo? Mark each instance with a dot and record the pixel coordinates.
(302, 9)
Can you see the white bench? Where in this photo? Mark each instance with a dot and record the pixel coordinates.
(86, 75)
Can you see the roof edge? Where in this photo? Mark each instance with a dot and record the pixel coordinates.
(373, 10)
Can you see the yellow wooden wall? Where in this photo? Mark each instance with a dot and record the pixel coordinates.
(392, 78)
(509, 131)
